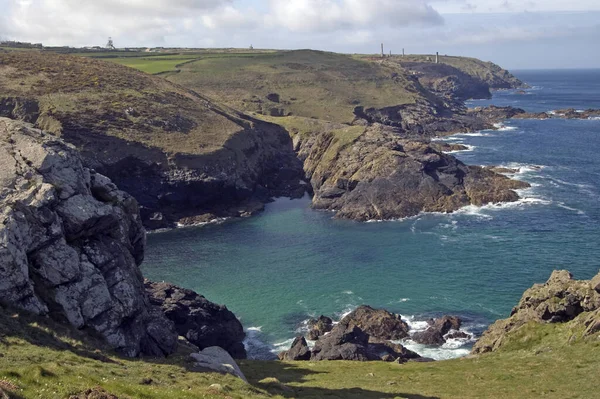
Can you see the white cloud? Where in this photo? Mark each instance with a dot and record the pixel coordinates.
(512, 6)
(332, 15)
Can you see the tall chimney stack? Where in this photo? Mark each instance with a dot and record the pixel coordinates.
(382, 54)
(437, 57)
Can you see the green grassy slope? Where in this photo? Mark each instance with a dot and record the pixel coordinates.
(94, 95)
(45, 360)
(309, 83)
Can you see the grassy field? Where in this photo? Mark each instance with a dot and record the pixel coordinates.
(114, 100)
(304, 83)
(40, 359)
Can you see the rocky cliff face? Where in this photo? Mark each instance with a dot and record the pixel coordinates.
(183, 157)
(71, 244)
(379, 175)
(560, 300)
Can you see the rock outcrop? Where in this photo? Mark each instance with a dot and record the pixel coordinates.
(200, 321)
(437, 330)
(377, 323)
(71, 244)
(560, 300)
(298, 351)
(375, 174)
(348, 341)
(363, 335)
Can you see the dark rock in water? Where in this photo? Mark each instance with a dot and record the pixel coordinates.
(377, 323)
(445, 324)
(434, 335)
(560, 300)
(429, 337)
(459, 335)
(319, 327)
(364, 335)
(71, 244)
(298, 351)
(200, 321)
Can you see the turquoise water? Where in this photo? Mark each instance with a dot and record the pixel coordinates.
(289, 263)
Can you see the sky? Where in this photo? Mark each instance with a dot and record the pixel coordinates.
(517, 34)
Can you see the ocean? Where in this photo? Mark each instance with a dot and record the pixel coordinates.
(290, 263)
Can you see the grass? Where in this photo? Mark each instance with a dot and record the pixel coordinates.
(46, 360)
(78, 93)
(309, 83)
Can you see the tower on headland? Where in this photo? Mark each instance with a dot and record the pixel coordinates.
(437, 57)
(110, 45)
(382, 53)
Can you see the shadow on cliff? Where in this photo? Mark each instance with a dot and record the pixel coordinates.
(262, 375)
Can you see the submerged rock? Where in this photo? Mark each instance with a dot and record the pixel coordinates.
(200, 321)
(71, 244)
(560, 300)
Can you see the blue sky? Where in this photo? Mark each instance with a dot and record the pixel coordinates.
(514, 33)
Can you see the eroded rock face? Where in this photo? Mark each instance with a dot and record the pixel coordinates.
(71, 244)
(200, 321)
(381, 176)
(560, 300)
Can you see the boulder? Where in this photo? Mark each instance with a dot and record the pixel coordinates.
(298, 351)
(560, 300)
(217, 359)
(377, 323)
(459, 335)
(319, 327)
(201, 322)
(358, 337)
(438, 328)
(71, 244)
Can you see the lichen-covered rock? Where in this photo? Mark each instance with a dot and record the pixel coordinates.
(71, 244)
(200, 321)
(561, 299)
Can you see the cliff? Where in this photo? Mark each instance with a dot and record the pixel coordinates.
(188, 158)
(178, 153)
(573, 304)
(71, 244)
